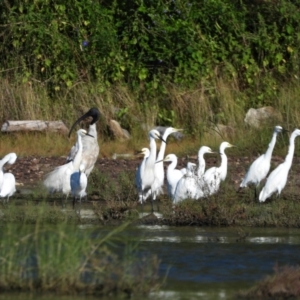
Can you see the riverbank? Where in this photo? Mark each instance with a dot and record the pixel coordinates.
(112, 197)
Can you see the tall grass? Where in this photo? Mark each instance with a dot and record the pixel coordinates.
(202, 111)
(66, 260)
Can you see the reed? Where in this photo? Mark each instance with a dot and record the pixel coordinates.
(201, 111)
(66, 260)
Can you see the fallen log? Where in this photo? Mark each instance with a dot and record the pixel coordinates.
(34, 125)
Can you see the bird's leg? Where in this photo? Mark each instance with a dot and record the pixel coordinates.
(79, 206)
(157, 205)
(152, 209)
(74, 200)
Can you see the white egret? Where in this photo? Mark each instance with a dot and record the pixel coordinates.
(188, 187)
(213, 176)
(7, 180)
(201, 162)
(259, 169)
(173, 175)
(58, 180)
(90, 147)
(148, 174)
(139, 172)
(78, 182)
(277, 179)
(157, 186)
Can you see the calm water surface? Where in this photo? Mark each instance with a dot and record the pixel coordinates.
(209, 263)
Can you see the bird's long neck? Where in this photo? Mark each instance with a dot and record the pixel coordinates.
(172, 165)
(152, 155)
(289, 157)
(93, 131)
(271, 146)
(223, 166)
(77, 158)
(163, 145)
(201, 167)
(4, 160)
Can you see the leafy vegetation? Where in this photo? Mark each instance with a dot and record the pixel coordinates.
(163, 62)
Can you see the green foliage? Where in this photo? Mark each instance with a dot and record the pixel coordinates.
(147, 46)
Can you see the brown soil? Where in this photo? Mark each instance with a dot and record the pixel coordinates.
(29, 171)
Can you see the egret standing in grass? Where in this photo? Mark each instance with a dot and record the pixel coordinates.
(90, 147)
(58, 180)
(173, 174)
(259, 169)
(7, 180)
(139, 172)
(78, 182)
(213, 176)
(188, 187)
(148, 174)
(277, 179)
(157, 186)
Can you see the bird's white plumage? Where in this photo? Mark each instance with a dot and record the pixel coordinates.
(148, 173)
(78, 182)
(7, 180)
(140, 171)
(188, 187)
(59, 179)
(173, 174)
(201, 161)
(259, 169)
(90, 147)
(157, 186)
(277, 179)
(213, 176)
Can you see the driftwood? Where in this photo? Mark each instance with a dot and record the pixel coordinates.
(34, 125)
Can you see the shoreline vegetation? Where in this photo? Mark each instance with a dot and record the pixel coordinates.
(184, 64)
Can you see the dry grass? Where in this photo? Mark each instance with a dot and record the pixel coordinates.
(201, 111)
(283, 284)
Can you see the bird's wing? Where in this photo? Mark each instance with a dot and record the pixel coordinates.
(9, 185)
(54, 181)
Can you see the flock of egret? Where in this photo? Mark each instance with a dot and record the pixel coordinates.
(192, 182)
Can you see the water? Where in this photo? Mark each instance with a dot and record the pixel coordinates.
(208, 263)
(214, 263)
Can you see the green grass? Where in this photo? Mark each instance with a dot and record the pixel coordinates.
(66, 260)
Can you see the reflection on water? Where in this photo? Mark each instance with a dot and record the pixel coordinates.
(214, 263)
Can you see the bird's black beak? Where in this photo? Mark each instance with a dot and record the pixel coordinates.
(159, 161)
(93, 112)
(90, 135)
(162, 139)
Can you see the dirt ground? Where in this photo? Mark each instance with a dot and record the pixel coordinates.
(29, 171)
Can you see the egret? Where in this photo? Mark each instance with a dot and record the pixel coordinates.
(188, 187)
(78, 182)
(157, 186)
(139, 172)
(213, 176)
(7, 180)
(277, 179)
(261, 166)
(148, 174)
(90, 147)
(58, 180)
(173, 175)
(201, 161)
